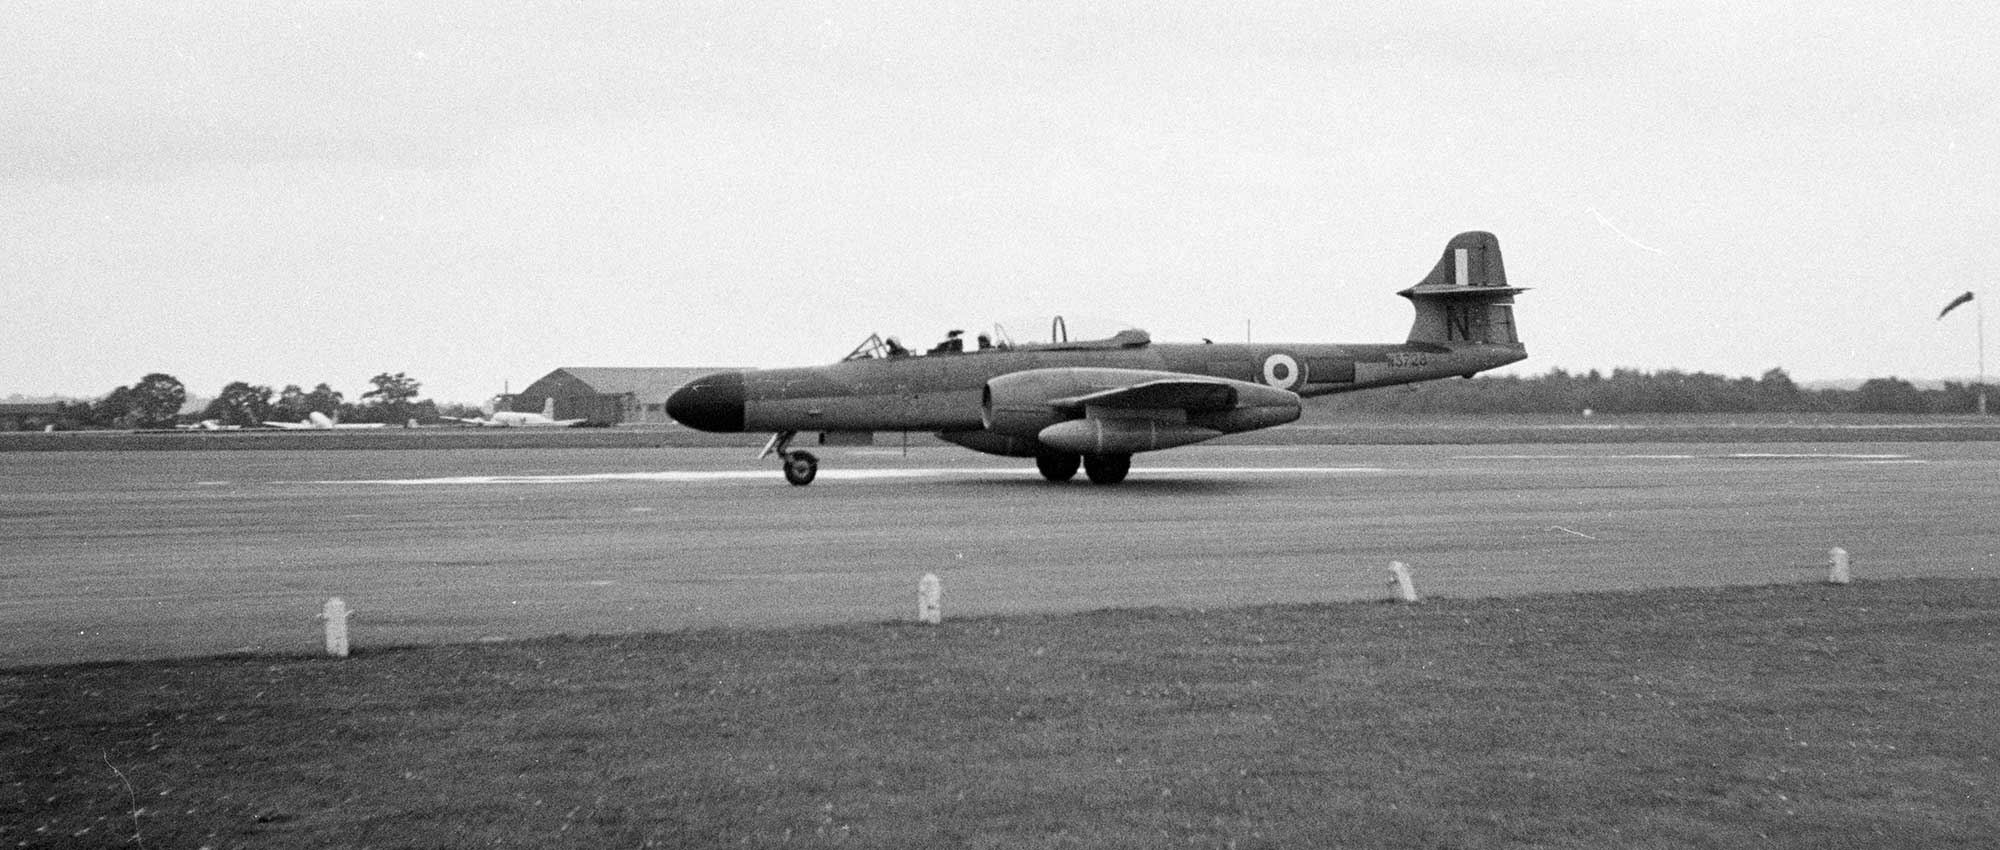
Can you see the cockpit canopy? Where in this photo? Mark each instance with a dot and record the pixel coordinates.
(877, 346)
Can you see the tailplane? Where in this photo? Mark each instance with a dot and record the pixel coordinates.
(1465, 298)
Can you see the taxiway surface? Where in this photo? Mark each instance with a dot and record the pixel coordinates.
(119, 555)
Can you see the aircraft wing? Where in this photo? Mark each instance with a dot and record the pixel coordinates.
(291, 426)
(1105, 411)
(1191, 394)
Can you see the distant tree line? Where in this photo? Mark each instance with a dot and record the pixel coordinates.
(156, 401)
(1669, 391)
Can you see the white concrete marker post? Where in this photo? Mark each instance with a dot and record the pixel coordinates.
(1401, 588)
(1836, 561)
(335, 615)
(930, 600)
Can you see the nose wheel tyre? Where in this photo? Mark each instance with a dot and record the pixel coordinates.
(1107, 469)
(801, 468)
(1058, 467)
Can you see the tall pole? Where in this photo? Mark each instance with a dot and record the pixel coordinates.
(1982, 353)
(1979, 322)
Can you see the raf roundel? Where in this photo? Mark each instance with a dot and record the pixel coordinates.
(1282, 371)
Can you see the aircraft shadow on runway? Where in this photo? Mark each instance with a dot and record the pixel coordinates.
(1148, 485)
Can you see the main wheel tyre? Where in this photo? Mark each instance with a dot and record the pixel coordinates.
(801, 468)
(1058, 467)
(1106, 469)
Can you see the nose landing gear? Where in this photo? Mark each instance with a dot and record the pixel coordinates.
(801, 467)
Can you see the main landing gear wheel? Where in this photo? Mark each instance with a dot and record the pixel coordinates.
(1058, 467)
(1107, 469)
(801, 468)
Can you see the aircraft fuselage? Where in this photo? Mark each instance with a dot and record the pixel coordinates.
(944, 391)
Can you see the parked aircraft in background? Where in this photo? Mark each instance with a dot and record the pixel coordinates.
(208, 425)
(317, 421)
(1096, 403)
(496, 418)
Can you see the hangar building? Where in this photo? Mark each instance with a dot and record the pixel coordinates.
(608, 395)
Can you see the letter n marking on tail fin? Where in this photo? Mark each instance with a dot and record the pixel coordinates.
(1457, 320)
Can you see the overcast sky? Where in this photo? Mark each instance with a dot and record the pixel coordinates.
(476, 193)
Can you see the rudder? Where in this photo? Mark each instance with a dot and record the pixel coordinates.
(1470, 259)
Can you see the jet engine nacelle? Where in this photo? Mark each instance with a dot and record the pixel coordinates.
(1266, 411)
(1054, 407)
(1017, 404)
(1120, 436)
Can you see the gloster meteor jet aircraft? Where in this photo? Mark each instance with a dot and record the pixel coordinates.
(1096, 403)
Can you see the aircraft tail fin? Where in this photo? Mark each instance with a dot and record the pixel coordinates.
(1465, 298)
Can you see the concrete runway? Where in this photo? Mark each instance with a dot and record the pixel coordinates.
(120, 555)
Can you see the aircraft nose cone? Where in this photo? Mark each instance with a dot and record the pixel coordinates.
(710, 403)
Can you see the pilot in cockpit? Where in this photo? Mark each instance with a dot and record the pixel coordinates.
(952, 343)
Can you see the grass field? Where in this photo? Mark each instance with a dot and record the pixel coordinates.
(1787, 715)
